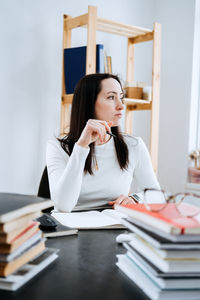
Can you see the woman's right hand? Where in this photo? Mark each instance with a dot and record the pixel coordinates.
(94, 130)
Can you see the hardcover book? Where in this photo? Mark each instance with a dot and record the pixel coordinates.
(32, 240)
(20, 239)
(13, 206)
(140, 259)
(14, 281)
(75, 65)
(169, 220)
(177, 264)
(6, 268)
(18, 222)
(162, 240)
(151, 288)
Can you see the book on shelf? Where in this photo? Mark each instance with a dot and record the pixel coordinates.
(105, 62)
(6, 268)
(109, 64)
(106, 219)
(13, 206)
(160, 239)
(150, 287)
(16, 280)
(75, 65)
(59, 230)
(169, 220)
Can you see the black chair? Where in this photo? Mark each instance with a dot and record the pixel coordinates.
(44, 190)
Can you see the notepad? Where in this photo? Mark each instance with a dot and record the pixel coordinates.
(106, 219)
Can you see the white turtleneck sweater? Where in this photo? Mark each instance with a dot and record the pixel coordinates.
(70, 187)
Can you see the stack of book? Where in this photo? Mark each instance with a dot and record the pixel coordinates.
(22, 247)
(163, 256)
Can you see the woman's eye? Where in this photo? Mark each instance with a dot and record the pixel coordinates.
(111, 97)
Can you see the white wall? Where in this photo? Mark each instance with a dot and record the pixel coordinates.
(30, 80)
(30, 76)
(177, 19)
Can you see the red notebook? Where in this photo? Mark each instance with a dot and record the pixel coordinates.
(169, 219)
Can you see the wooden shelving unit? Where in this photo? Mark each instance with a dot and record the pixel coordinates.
(134, 35)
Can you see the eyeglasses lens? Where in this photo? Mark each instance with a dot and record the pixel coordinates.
(157, 199)
(188, 210)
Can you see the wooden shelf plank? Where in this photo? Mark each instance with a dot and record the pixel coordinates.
(76, 22)
(119, 28)
(108, 26)
(133, 101)
(142, 38)
(67, 99)
(138, 106)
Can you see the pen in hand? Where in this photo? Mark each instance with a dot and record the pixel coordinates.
(111, 134)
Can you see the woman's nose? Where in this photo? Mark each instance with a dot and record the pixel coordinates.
(120, 105)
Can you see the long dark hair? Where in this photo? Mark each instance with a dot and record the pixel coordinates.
(83, 109)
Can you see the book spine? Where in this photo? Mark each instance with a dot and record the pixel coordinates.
(6, 269)
(141, 233)
(100, 59)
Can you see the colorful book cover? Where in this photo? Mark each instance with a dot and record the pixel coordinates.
(169, 217)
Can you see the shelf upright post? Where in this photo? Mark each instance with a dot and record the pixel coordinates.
(154, 138)
(91, 40)
(129, 81)
(65, 107)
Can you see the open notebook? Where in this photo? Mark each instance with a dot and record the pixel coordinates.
(106, 219)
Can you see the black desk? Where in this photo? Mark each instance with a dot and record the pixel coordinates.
(84, 270)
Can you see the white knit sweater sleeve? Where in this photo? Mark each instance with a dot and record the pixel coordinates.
(65, 174)
(144, 174)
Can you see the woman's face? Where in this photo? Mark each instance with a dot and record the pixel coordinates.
(109, 106)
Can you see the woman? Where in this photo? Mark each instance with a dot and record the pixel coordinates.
(89, 167)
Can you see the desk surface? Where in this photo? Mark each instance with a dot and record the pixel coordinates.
(84, 270)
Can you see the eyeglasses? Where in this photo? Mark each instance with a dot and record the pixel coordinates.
(160, 199)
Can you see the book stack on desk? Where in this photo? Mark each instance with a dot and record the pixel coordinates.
(23, 253)
(163, 256)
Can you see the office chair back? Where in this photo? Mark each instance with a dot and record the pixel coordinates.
(44, 190)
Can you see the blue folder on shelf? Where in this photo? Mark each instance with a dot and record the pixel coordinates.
(75, 65)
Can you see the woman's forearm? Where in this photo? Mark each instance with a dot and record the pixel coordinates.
(65, 178)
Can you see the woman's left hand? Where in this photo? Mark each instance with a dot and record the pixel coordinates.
(122, 199)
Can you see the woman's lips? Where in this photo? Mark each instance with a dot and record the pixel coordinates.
(118, 115)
